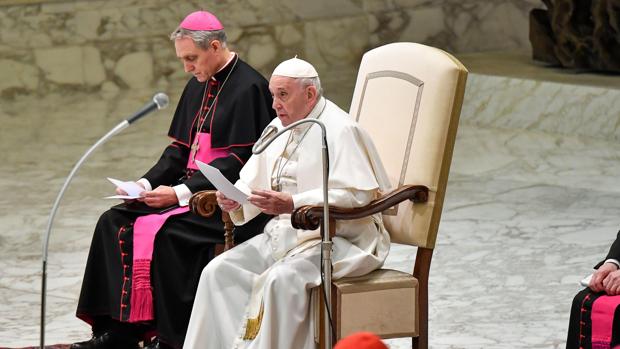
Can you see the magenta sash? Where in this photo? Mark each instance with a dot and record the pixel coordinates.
(144, 230)
(602, 318)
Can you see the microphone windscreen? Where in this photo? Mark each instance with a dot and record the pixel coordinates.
(161, 100)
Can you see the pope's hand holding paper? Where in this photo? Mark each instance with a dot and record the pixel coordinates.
(221, 183)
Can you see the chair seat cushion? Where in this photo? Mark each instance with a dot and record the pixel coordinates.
(383, 302)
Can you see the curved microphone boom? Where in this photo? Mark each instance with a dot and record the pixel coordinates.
(270, 133)
(159, 101)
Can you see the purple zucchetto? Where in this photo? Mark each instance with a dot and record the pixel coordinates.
(201, 20)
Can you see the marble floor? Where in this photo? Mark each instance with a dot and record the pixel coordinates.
(527, 214)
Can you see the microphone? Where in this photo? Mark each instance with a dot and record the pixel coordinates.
(269, 133)
(159, 101)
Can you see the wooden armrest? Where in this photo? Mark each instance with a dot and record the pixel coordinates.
(309, 217)
(204, 203)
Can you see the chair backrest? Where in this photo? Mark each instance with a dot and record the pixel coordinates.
(408, 97)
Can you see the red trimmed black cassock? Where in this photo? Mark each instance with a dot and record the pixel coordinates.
(580, 327)
(184, 245)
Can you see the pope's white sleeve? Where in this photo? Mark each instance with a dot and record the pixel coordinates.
(246, 212)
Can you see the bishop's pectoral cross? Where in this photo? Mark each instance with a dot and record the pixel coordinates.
(194, 151)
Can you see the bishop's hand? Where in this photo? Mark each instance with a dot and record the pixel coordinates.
(120, 191)
(162, 196)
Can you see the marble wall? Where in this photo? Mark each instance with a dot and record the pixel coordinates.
(553, 107)
(107, 46)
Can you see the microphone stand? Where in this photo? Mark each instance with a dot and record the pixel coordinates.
(326, 243)
(160, 101)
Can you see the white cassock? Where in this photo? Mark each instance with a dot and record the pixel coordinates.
(257, 295)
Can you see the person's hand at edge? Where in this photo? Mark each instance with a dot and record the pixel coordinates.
(596, 283)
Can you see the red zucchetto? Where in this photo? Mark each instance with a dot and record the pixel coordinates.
(361, 340)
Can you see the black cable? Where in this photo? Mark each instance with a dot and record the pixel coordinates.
(328, 311)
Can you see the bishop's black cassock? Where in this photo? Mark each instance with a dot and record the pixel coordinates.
(233, 107)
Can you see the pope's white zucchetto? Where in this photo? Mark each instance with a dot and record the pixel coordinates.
(295, 68)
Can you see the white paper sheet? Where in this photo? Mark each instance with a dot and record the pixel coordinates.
(586, 281)
(221, 183)
(133, 189)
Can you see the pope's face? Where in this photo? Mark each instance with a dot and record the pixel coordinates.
(291, 101)
(202, 63)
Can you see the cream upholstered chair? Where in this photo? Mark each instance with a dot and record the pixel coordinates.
(408, 97)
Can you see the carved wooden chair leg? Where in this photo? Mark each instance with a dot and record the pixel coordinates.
(229, 239)
(204, 203)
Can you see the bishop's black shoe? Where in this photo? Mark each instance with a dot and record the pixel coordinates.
(158, 344)
(107, 340)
